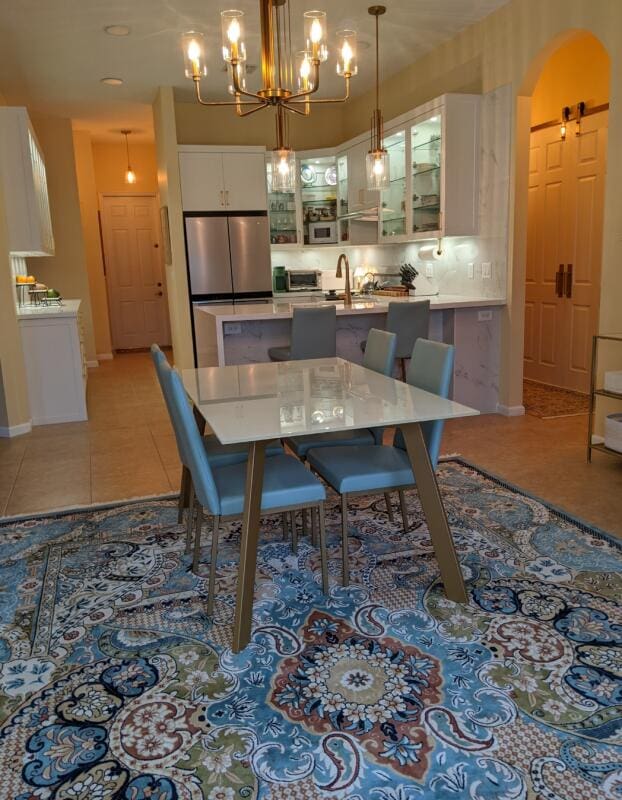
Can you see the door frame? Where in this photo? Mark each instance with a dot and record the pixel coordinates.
(101, 196)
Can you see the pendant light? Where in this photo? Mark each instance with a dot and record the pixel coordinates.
(378, 176)
(130, 175)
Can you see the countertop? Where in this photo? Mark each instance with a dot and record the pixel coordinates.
(283, 309)
(69, 308)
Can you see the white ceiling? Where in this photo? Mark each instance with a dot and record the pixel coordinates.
(53, 53)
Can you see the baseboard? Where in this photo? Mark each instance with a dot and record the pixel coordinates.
(510, 411)
(92, 364)
(15, 430)
(105, 356)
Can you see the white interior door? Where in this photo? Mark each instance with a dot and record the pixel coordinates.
(564, 252)
(134, 272)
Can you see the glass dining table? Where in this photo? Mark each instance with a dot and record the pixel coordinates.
(255, 403)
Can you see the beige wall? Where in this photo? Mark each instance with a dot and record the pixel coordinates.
(87, 189)
(110, 163)
(578, 71)
(199, 125)
(67, 269)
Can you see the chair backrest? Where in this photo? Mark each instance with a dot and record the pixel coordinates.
(380, 351)
(430, 368)
(191, 440)
(314, 333)
(409, 321)
(160, 362)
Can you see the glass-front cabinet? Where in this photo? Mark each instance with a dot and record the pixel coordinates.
(318, 191)
(343, 207)
(426, 143)
(283, 215)
(393, 206)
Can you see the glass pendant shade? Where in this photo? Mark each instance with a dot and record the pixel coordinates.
(315, 34)
(283, 170)
(378, 170)
(233, 46)
(304, 70)
(193, 46)
(130, 176)
(346, 53)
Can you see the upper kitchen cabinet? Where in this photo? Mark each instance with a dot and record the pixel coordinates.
(393, 224)
(358, 206)
(22, 171)
(223, 180)
(318, 192)
(283, 213)
(444, 168)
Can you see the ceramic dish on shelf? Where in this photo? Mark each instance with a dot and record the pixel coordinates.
(307, 175)
(330, 176)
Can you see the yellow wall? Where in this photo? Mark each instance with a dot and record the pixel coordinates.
(110, 162)
(87, 189)
(66, 270)
(579, 71)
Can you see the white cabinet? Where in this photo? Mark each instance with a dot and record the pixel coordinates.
(357, 203)
(22, 171)
(56, 371)
(213, 180)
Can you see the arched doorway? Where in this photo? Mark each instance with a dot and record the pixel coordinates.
(564, 230)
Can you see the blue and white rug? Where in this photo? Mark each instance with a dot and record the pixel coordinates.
(116, 686)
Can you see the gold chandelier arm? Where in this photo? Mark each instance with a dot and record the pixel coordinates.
(303, 111)
(258, 107)
(225, 102)
(237, 87)
(316, 84)
(315, 100)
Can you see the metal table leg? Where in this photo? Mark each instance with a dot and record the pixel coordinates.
(434, 511)
(248, 546)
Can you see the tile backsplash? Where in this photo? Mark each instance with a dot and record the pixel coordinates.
(451, 270)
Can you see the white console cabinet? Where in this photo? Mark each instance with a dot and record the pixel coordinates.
(52, 341)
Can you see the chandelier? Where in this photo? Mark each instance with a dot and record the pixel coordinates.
(289, 80)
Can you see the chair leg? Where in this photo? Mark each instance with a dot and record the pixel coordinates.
(344, 540)
(197, 539)
(323, 556)
(313, 528)
(404, 510)
(285, 526)
(190, 520)
(212, 567)
(403, 368)
(292, 519)
(184, 493)
(303, 514)
(387, 500)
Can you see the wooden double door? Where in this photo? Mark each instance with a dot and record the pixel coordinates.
(564, 252)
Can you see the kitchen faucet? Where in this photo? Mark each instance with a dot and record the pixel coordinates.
(339, 274)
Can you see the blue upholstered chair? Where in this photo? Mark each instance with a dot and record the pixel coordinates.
(369, 469)
(409, 322)
(314, 335)
(219, 455)
(287, 485)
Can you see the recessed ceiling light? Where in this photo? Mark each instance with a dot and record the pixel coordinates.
(112, 81)
(117, 30)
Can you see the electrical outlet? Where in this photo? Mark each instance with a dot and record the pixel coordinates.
(484, 316)
(233, 329)
(471, 270)
(429, 270)
(487, 270)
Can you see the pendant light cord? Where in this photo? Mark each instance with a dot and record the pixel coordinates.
(127, 151)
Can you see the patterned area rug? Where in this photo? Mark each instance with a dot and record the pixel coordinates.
(116, 686)
(549, 402)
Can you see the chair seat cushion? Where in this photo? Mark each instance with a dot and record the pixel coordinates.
(221, 455)
(279, 354)
(302, 444)
(286, 482)
(356, 469)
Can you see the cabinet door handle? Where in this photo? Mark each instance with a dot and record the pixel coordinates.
(569, 281)
(222, 198)
(227, 197)
(559, 281)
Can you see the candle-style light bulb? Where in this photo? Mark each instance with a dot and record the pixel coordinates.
(193, 47)
(233, 47)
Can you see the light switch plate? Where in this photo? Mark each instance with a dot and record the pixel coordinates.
(429, 270)
(232, 329)
(471, 270)
(486, 269)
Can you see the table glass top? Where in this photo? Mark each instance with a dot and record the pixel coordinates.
(296, 398)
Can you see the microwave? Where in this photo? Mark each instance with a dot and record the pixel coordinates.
(323, 233)
(303, 280)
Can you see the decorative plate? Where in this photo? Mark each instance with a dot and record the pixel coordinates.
(307, 174)
(330, 176)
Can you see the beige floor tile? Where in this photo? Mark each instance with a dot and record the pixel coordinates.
(8, 475)
(136, 484)
(12, 451)
(167, 449)
(44, 489)
(174, 478)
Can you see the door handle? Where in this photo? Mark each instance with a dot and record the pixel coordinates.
(158, 284)
(559, 281)
(569, 281)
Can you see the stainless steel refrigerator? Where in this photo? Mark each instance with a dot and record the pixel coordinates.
(228, 257)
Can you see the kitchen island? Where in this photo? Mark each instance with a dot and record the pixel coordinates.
(242, 334)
